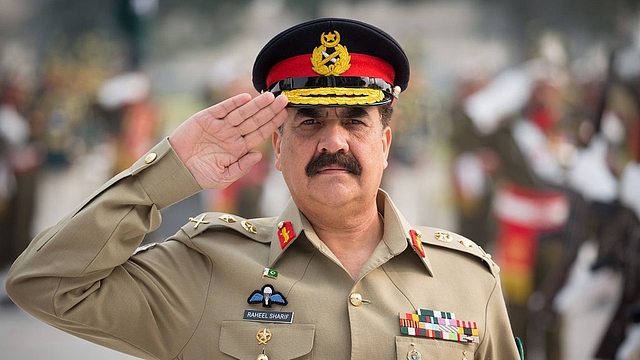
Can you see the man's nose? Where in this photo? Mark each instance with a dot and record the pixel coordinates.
(334, 138)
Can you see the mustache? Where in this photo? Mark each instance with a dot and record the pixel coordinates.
(344, 160)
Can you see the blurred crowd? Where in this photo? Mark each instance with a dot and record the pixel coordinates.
(76, 102)
(544, 169)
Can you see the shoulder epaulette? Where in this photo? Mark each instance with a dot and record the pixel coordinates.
(438, 237)
(259, 230)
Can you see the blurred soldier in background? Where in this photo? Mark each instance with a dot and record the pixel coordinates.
(587, 301)
(510, 139)
(603, 292)
(128, 96)
(21, 155)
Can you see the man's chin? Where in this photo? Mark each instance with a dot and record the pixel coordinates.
(338, 186)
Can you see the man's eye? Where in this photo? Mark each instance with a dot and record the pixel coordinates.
(309, 122)
(355, 122)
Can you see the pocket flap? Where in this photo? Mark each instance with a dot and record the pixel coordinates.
(433, 348)
(288, 341)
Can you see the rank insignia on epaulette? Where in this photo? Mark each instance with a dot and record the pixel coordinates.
(416, 241)
(438, 325)
(443, 236)
(227, 218)
(249, 227)
(285, 233)
(198, 221)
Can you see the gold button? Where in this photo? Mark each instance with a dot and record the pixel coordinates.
(151, 157)
(355, 299)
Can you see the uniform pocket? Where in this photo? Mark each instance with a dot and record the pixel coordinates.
(240, 339)
(433, 348)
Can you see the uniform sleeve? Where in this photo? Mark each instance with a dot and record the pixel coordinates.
(499, 343)
(80, 275)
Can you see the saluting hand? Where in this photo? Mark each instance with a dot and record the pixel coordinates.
(218, 144)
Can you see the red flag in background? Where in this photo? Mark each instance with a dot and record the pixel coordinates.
(522, 214)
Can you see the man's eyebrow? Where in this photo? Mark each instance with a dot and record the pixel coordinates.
(310, 113)
(352, 112)
(345, 113)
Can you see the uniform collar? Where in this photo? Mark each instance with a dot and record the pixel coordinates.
(397, 230)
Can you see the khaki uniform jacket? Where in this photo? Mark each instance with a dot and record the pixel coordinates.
(187, 297)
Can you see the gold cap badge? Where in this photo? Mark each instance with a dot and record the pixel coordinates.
(334, 63)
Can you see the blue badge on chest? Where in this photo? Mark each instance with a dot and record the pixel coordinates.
(267, 296)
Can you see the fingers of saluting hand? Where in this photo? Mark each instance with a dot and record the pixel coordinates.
(254, 119)
(218, 144)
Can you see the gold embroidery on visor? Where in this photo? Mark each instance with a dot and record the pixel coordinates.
(334, 96)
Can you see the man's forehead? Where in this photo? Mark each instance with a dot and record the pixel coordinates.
(339, 111)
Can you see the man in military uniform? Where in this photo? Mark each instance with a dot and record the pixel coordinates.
(340, 274)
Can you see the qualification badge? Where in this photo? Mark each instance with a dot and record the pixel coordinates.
(267, 296)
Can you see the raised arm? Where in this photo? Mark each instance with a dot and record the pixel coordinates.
(80, 275)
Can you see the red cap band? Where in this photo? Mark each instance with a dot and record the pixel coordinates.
(361, 65)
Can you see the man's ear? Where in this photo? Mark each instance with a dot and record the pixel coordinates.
(276, 139)
(386, 144)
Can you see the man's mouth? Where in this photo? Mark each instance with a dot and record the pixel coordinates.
(328, 162)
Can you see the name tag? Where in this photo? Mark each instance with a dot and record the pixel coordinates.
(268, 316)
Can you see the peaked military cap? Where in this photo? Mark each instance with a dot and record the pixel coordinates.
(332, 62)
